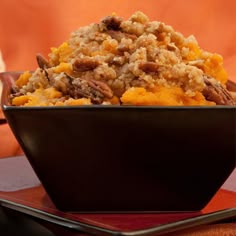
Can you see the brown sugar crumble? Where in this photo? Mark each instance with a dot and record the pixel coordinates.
(125, 62)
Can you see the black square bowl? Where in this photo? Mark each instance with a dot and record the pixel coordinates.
(126, 158)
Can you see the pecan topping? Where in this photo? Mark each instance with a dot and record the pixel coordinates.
(85, 64)
(112, 22)
(214, 91)
(149, 67)
(231, 86)
(15, 94)
(42, 62)
(89, 88)
(101, 87)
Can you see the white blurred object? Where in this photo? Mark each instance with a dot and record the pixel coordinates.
(23, 178)
(2, 64)
(2, 68)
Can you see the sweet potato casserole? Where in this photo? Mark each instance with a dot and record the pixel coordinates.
(125, 62)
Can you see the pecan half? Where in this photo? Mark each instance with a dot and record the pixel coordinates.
(149, 67)
(101, 87)
(216, 92)
(42, 62)
(112, 22)
(89, 88)
(231, 86)
(85, 64)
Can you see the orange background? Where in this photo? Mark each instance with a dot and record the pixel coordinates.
(28, 27)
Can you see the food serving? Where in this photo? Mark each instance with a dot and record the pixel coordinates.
(117, 110)
(125, 62)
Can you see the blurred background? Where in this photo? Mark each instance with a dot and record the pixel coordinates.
(28, 27)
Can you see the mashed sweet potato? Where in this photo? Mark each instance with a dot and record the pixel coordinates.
(125, 62)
